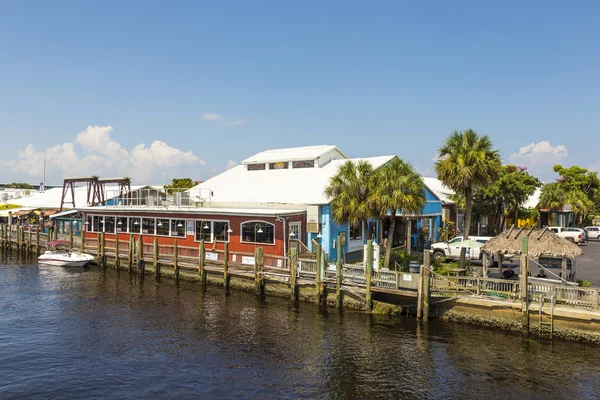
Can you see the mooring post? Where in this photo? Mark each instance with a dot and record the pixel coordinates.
(258, 269)
(155, 257)
(103, 250)
(201, 268)
(563, 269)
(426, 284)
(37, 240)
(261, 267)
(175, 260)
(226, 267)
(29, 242)
(130, 253)
(71, 238)
(338, 273)
(82, 238)
(117, 253)
(293, 261)
(140, 252)
(369, 272)
(318, 272)
(524, 270)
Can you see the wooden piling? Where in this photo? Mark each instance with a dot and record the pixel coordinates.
(369, 272)
(71, 238)
(103, 250)
(226, 267)
(524, 270)
(293, 261)
(563, 269)
(175, 259)
(29, 244)
(258, 268)
(130, 252)
(318, 271)
(37, 240)
(338, 273)
(140, 252)
(201, 263)
(426, 284)
(155, 257)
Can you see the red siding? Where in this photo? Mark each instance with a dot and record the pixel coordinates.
(235, 223)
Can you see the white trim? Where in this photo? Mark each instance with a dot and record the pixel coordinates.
(299, 223)
(262, 222)
(212, 229)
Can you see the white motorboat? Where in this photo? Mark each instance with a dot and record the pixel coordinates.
(63, 258)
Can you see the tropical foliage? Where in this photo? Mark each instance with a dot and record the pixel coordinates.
(19, 185)
(180, 184)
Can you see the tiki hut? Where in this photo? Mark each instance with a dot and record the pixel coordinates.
(542, 242)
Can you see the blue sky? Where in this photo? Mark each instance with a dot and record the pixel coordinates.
(86, 83)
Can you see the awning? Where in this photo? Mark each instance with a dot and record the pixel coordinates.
(4, 213)
(64, 214)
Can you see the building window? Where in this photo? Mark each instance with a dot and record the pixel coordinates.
(162, 227)
(178, 227)
(203, 231)
(148, 226)
(109, 224)
(121, 225)
(279, 165)
(258, 232)
(256, 167)
(134, 225)
(97, 225)
(303, 164)
(356, 231)
(89, 223)
(220, 229)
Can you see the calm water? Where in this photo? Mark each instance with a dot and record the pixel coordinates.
(88, 333)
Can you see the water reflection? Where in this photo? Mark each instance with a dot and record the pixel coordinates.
(103, 333)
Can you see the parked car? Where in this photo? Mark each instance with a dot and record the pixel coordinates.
(593, 232)
(574, 235)
(451, 250)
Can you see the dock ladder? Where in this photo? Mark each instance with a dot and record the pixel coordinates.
(545, 320)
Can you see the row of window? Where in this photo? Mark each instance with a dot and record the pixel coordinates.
(282, 165)
(209, 230)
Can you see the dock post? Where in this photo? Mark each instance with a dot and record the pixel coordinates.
(261, 267)
(293, 261)
(140, 253)
(369, 272)
(318, 272)
(1, 236)
(71, 238)
(29, 242)
(155, 257)
(117, 253)
(175, 260)
(130, 253)
(201, 268)
(524, 271)
(37, 240)
(338, 273)
(258, 282)
(426, 285)
(103, 250)
(82, 238)
(226, 267)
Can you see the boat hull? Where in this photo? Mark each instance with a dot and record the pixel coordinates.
(63, 259)
(62, 263)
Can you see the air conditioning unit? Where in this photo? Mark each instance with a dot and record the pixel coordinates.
(313, 227)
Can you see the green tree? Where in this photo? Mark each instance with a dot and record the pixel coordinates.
(582, 188)
(552, 197)
(179, 185)
(20, 185)
(396, 186)
(465, 163)
(351, 193)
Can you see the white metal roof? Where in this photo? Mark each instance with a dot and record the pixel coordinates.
(442, 191)
(534, 199)
(284, 186)
(199, 210)
(290, 154)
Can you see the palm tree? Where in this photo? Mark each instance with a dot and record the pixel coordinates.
(580, 204)
(350, 191)
(553, 197)
(397, 187)
(466, 162)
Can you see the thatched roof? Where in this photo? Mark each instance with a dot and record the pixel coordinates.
(541, 242)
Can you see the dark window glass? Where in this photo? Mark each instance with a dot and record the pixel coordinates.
(121, 224)
(256, 167)
(258, 232)
(203, 230)
(279, 165)
(355, 231)
(135, 225)
(221, 233)
(303, 164)
(148, 226)
(109, 224)
(90, 221)
(162, 227)
(177, 227)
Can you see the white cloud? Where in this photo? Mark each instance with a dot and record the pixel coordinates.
(230, 164)
(234, 123)
(99, 154)
(595, 167)
(212, 117)
(542, 153)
